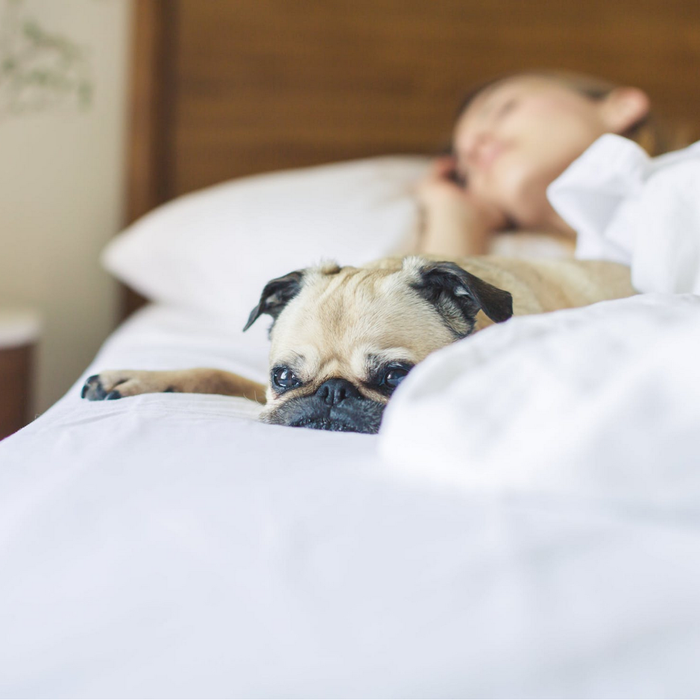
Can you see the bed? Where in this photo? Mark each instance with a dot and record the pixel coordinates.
(172, 545)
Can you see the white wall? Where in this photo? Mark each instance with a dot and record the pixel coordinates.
(62, 192)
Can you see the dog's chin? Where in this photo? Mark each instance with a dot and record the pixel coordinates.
(351, 416)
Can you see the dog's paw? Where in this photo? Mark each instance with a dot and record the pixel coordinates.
(116, 384)
(101, 387)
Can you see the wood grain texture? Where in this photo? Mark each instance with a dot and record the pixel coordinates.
(269, 84)
(147, 181)
(15, 388)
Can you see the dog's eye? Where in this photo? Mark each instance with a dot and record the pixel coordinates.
(284, 378)
(395, 376)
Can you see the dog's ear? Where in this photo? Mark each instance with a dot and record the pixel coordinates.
(458, 296)
(276, 295)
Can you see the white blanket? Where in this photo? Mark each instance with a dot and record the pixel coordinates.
(640, 211)
(170, 545)
(602, 401)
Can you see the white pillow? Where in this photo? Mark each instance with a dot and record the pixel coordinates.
(215, 249)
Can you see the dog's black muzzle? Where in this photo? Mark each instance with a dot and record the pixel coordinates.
(336, 405)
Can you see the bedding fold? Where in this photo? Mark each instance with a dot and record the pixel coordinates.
(601, 401)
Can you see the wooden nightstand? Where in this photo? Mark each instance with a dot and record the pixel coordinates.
(19, 333)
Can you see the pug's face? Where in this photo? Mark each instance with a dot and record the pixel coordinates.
(344, 338)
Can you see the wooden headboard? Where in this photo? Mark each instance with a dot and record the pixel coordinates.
(224, 88)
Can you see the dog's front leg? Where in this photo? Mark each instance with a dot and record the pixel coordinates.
(116, 384)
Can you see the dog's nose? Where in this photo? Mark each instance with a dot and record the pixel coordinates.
(336, 390)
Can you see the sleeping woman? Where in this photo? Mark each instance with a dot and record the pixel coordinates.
(516, 135)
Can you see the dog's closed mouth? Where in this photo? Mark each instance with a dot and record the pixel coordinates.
(327, 424)
(353, 416)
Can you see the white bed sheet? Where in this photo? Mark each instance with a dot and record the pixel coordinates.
(170, 545)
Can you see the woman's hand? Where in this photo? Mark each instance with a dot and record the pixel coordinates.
(456, 223)
(441, 183)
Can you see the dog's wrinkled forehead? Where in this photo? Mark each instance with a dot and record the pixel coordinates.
(413, 305)
(341, 310)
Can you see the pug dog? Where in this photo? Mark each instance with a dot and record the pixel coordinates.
(343, 338)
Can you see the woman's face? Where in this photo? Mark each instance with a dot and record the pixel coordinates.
(517, 136)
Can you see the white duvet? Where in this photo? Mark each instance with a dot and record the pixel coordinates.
(602, 401)
(546, 545)
(639, 211)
